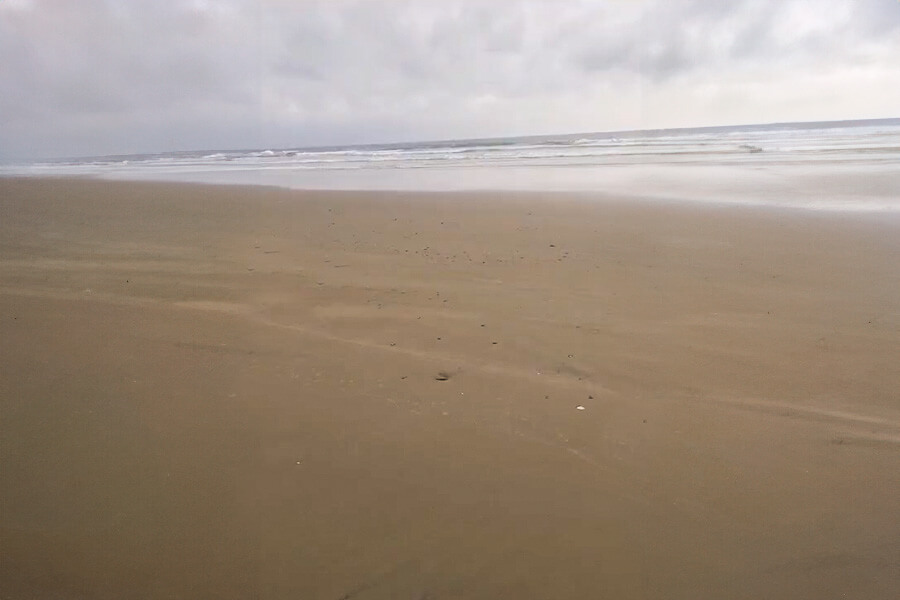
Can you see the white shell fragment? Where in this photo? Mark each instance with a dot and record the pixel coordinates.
(579, 407)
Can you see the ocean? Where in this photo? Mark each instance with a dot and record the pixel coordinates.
(845, 165)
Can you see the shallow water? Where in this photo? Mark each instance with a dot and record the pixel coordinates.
(841, 166)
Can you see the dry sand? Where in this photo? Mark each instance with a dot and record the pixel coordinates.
(231, 392)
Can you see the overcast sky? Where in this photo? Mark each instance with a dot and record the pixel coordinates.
(119, 76)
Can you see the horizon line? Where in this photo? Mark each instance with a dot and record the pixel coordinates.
(327, 147)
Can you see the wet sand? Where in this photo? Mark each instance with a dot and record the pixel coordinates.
(236, 392)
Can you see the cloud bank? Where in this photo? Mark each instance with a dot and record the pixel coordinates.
(121, 76)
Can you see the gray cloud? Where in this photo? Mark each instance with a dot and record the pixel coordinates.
(122, 76)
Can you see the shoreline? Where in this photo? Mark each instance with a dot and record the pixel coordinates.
(816, 184)
(242, 391)
(610, 196)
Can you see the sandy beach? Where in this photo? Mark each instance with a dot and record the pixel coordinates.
(248, 392)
